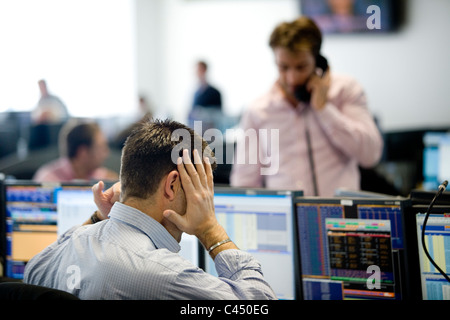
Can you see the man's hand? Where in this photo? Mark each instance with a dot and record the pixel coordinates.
(197, 182)
(105, 200)
(318, 86)
(199, 219)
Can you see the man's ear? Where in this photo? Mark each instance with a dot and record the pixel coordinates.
(172, 184)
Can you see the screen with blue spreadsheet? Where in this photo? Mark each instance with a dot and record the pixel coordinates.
(261, 222)
(437, 240)
(323, 278)
(31, 223)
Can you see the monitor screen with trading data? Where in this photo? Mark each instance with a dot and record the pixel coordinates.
(437, 240)
(431, 284)
(30, 219)
(356, 246)
(261, 222)
(351, 248)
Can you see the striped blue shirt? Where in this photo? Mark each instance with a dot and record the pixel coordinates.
(132, 256)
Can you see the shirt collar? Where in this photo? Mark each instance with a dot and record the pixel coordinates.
(160, 237)
(283, 103)
(66, 167)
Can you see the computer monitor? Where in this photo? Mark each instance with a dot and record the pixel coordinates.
(436, 151)
(35, 214)
(437, 240)
(444, 154)
(345, 243)
(431, 284)
(75, 204)
(260, 221)
(2, 227)
(29, 219)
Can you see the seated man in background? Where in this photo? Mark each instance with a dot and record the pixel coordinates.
(133, 254)
(83, 149)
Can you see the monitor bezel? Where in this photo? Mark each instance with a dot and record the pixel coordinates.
(3, 227)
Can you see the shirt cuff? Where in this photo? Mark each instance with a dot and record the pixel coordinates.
(231, 263)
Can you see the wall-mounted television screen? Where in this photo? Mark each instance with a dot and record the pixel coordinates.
(352, 16)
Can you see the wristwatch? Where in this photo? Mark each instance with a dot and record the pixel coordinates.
(94, 217)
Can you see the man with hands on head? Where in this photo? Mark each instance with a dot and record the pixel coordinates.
(129, 247)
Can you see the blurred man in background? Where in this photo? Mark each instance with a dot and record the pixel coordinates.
(206, 95)
(83, 149)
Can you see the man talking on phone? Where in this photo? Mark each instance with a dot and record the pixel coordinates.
(324, 126)
(129, 247)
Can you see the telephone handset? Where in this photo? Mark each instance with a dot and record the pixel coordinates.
(301, 93)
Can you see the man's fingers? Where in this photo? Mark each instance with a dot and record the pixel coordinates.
(116, 193)
(209, 173)
(98, 187)
(196, 176)
(117, 188)
(200, 167)
(185, 179)
(193, 174)
(113, 194)
(101, 199)
(97, 190)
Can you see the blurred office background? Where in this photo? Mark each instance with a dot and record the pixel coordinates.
(100, 56)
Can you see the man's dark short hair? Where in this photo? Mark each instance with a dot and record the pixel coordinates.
(203, 64)
(147, 155)
(300, 34)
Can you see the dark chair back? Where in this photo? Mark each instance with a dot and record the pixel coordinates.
(24, 291)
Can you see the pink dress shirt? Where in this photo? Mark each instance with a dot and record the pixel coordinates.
(61, 170)
(343, 135)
